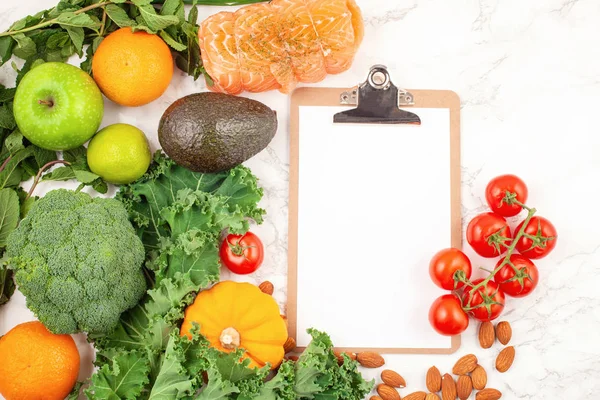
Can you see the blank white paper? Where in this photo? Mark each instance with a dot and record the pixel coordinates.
(374, 206)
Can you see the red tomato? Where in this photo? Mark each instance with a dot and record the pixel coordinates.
(517, 284)
(242, 254)
(501, 193)
(539, 239)
(444, 265)
(447, 317)
(488, 234)
(486, 303)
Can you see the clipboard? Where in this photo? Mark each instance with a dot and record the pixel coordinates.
(323, 126)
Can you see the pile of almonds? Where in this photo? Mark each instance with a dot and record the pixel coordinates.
(471, 375)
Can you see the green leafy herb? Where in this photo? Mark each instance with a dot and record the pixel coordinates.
(7, 285)
(78, 169)
(58, 33)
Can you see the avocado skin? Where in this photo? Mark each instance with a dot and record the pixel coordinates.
(213, 132)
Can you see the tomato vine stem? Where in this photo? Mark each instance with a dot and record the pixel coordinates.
(506, 261)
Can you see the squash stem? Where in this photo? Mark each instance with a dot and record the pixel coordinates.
(230, 338)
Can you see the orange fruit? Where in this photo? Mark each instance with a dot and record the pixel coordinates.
(37, 364)
(132, 68)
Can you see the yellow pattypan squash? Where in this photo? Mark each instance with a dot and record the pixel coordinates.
(238, 315)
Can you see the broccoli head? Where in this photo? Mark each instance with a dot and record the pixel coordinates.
(78, 261)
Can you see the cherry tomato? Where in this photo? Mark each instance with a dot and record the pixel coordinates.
(517, 284)
(486, 303)
(501, 193)
(539, 239)
(242, 254)
(447, 317)
(488, 234)
(444, 265)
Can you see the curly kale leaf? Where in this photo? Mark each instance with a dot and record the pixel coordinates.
(123, 377)
(160, 189)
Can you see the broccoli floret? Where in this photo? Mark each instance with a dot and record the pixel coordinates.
(78, 261)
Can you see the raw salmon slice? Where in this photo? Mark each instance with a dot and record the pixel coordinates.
(275, 45)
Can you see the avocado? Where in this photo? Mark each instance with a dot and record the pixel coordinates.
(213, 132)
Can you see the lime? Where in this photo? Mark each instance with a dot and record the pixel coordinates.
(119, 153)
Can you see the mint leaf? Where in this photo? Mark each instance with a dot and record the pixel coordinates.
(58, 40)
(11, 174)
(100, 186)
(82, 20)
(7, 285)
(9, 214)
(6, 47)
(154, 21)
(85, 176)
(7, 94)
(119, 16)
(59, 174)
(7, 120)
(123, 377)
(77, 36)
(26, 47)
(43, 156)
(171, 7)
(172, 42)
(14, 141)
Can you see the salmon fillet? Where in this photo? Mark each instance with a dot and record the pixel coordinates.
(275, 45)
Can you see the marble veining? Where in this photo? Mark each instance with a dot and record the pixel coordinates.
(528, 74)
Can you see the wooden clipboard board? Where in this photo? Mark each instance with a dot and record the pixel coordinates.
(335, 97)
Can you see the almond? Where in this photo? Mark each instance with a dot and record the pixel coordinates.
(289, 345)
(465, 365)
(376, 398)
(479, 378)
(393, 379)
(387, 392)
(416, 396)
(340, 358)
(432, 396)
(433, 380)
(487, 335)
(488, 394)
(503, 332)
(448, 388)
(370, 359)
(292, 358)
(266, 287)
(464, 387)
(505, 359)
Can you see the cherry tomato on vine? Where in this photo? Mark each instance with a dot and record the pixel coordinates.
(501, 193)
(539, 238)
(444, 265)
(489, 235)
(517, 284)
(447, 317)
(242, 254)
(486, 303)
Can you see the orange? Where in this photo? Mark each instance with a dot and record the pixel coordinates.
(37, 364)
(132, 69)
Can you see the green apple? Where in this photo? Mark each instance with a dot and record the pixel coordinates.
(58, 106)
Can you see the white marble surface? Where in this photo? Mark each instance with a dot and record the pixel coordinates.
(528, 74)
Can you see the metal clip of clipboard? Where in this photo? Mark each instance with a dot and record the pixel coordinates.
(378, 101)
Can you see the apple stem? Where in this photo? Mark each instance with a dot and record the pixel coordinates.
(48, 103)
(41, 171)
